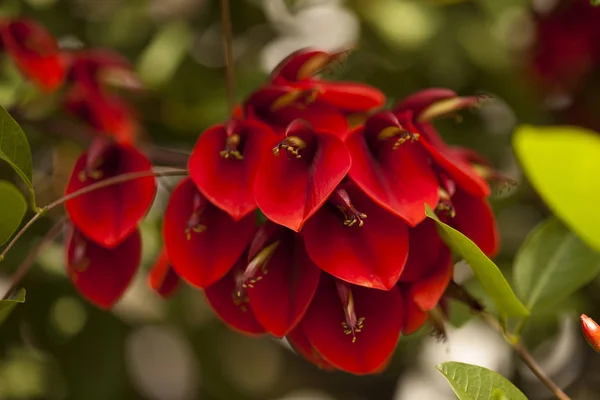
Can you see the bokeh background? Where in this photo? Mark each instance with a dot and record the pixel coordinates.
(57, 346)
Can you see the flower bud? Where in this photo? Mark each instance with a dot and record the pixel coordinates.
(591, 332)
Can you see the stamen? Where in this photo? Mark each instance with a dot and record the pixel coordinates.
(402, 136)
(231, 147)
(352, 325)
(292, 144)
(193, 224)
(257, 265)
(342, 201)
(445, 204)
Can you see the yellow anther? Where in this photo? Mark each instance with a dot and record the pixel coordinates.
(231, 148)
(292, 144)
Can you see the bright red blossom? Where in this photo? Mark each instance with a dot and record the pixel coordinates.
(162, 278)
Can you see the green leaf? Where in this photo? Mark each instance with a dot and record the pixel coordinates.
(552, 264)
(486, 272)
(6, 306)
(12, 210)
(471, 382)
(595, 2)
(563, 165)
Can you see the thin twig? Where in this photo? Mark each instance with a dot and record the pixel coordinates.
(130, 176)
(32, 257)
(228, 47)
(527, 358)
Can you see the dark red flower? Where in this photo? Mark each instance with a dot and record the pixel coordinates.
(353, 328)
(230, 305)
(299, 69)
(300, 343)
(162, 278)
(202, 241)
(392, 168)
(279, 106)
(294, 182)
(93, 69)
(224, 163)
(34, 50)
(100, 274)
(108, 215)
(104, 112)
(280, 279)
(427, 274)
(357, 241)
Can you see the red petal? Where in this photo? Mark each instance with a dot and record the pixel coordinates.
(401, 180)
(91, 68)
(419, 101)
(383, 312)
(35, 52)
(300, 343)
(280, 299)
(162, 277)
(475, 219)
(109, 215)
(433, 103)
(101, 275)
(426, 252)
(290, 190)
(233, 310)
(228, 182)
(351, 97)
(207, 255)
(304, 64)
(427, 292)
(105, 113)
(415, 318)
(372, 255)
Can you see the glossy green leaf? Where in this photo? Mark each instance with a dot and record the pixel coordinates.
(472, 382)
(563, 165)
(6, 306)
(552, 264)
(12, 210)
(486, 272)
(14, 148)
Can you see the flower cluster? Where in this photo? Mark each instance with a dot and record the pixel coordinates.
(303, 215)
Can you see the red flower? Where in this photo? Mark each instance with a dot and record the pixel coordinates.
(298, 71)
(280, 279)
(293, 183)
(110, 214)
(106, 113)
(34, 50)
(426, 275)
(162, 278)
(591, 332)
(93, 69)
(202, 241)
(224, 163)
(231, 305)
(300, 343)
(100, 274)
(279, 106)
(391, 169)
(353, 328)
(356, 241)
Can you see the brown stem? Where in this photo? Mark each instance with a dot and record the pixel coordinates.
(228, 47)
(527, 358)
(98, 185)
(32, 256)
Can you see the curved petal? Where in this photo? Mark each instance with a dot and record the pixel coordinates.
(372, 255)
(383, 313)
(475, 219)
(223, 165)
(35, 52)
(232, 309)
(101, 275)
(162, 278)
(351, 97)
(281, 297)
(301, 345)
(419, 101)
(289, 190)
(202, 241)
(94, 67)
(415, 317)
(105, 113)
(399, 180)
(425, 253)
(427, 292)
(303, 64)
(108, 215)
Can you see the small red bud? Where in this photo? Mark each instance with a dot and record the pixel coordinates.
(591, 332)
